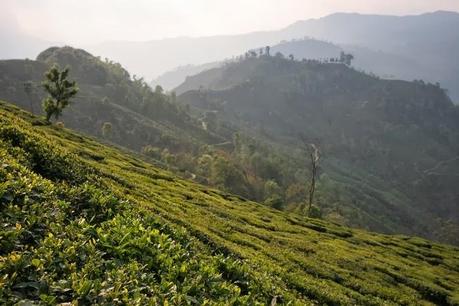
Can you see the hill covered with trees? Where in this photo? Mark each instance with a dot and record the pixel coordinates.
(88, 223)
(137, 115)
(389, 148)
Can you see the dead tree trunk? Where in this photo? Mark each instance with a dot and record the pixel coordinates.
(315, 156)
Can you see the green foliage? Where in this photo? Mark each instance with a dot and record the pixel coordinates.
(275, 201)
(227, 176)
(315, 212)
(116, 230)
(106, 129)
(59, 90)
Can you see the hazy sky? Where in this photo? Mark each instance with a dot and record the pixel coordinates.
(88, 21)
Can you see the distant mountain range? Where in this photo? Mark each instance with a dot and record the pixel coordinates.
(407, 47)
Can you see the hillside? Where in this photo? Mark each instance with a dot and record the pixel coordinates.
(108, 94)
(89, 223)
(389, 147)
(385, 64)
(304, 48)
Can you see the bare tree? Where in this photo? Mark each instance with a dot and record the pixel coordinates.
(314, 155)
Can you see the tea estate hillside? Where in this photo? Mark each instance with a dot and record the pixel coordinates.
(86, 223)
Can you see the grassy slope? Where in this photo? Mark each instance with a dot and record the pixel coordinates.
(100, 225)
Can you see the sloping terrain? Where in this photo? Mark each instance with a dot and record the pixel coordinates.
(137, 115)
(89, 223)
(390, 149)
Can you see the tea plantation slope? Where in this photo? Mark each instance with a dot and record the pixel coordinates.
(89, 223)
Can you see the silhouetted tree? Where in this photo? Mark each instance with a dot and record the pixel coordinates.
(342, 57)
(349, 58)
(267, 49)
(60, 91)
(346, 58)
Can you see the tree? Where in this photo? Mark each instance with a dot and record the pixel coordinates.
(346, 58)
(173, 97)
(349, 58)
(271, 189)
(342, 57)
(159, 90)
(28, 88)
(60, 91)
(314, 155)
(106, 129)
(226, 175)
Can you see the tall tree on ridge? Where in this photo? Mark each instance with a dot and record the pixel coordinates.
(60, 91)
